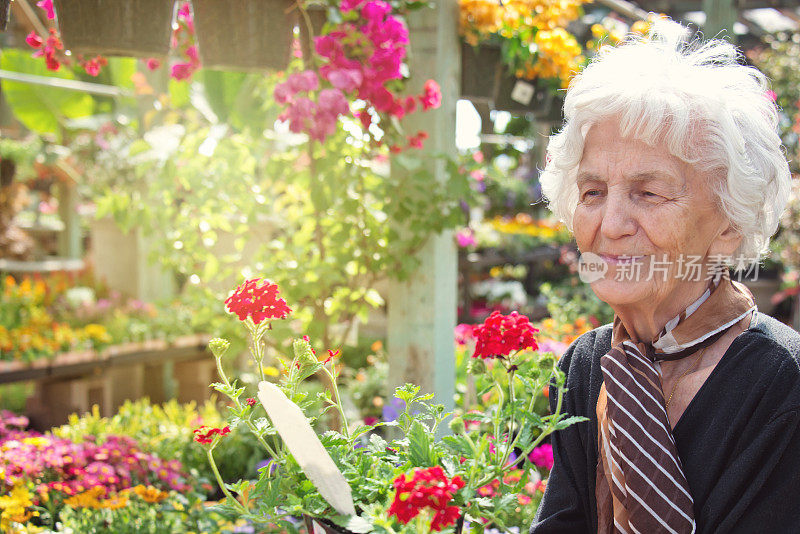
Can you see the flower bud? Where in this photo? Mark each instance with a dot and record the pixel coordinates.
(219, 346)
(476, 367)
(456, 424)
(303, 351)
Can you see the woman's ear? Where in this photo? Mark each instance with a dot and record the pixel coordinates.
(726, 242)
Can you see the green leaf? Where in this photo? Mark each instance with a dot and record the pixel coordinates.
(41, 108)
(459, 444)
(420, 445)
(564, 423)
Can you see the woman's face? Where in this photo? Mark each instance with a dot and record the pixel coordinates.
(649, 216)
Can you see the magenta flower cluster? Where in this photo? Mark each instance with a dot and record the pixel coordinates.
(59, 465)
(360, 56)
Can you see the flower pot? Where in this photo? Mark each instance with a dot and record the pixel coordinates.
(316, 525)
(138, 28)
(480, 68)
(245, 34)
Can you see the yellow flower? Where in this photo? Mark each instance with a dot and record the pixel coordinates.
(150, 494)
(14, 506)
(97, 333)
(87, 499)
(115, 502)
(270, 371)
(37, 441)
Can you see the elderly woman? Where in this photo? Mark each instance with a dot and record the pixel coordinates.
(668, 165)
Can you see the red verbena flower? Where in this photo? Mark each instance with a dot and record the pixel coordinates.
(205, 434)
(427, 488)
(258, 299)
(500, 335)
(251, 401)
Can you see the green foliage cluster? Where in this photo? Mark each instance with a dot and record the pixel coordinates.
(178, 514)
(370, 463)
(325, 222)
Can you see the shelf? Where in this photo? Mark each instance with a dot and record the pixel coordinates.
(42, 266)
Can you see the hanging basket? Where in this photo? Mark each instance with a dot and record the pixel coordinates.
(480, 68)
(138, 28)
(245, 34)
(5, 9)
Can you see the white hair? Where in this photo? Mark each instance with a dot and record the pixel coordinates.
(697, 99)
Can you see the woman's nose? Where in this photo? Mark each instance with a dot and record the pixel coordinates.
(618, 220)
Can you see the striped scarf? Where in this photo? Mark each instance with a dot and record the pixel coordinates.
(641, 487)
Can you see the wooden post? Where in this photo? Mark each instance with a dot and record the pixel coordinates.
(69, 241)
(422, 311)
(720, 16)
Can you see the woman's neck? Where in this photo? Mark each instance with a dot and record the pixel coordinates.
(645, 321)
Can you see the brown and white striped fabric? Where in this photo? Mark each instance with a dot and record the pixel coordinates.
(641, 487)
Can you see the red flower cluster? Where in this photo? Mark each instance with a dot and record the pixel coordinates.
(205, 434)
(50, 47)
(428, 488)
(47, 48)
(251, 401)
(258, 299)
(500, 335)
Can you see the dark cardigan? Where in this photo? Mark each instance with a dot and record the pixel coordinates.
(738, 440)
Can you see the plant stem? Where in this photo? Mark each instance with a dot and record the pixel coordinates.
(222, 486)
(338, 401)
(510, 446)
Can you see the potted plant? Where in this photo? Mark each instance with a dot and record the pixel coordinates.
(139, 28)
(355, 480)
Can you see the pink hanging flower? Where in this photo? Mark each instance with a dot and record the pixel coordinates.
(303, 81)
(34, 40)
(47, 6)
(334, 101)
(349, 5)
(182, 71)
(93, 66)
(432, 96)
(346, 80)
(152, 63)
(375, 12)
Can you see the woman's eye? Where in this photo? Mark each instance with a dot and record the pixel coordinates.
(650, 194)
(591, 193)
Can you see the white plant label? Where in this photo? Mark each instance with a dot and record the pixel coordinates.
(523, 92)
(307, 449)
